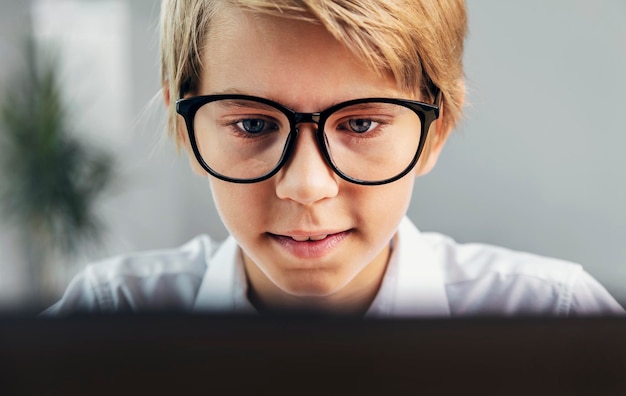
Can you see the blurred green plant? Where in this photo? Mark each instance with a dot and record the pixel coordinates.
(49, 179)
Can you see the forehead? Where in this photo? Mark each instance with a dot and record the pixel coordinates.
(288, 60)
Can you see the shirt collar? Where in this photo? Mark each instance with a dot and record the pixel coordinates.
(224, 287)
(413, 285)
(414, 282)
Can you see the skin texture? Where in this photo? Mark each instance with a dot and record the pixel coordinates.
(303, 67)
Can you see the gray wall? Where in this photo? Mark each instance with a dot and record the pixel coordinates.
(536, 164)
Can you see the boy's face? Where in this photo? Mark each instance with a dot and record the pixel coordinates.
(303, 67)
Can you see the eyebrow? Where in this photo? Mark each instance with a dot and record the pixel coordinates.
(372, 106)
(228, 91)
(247, 104)
(235, 91)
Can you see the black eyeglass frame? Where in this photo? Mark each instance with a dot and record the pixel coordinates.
(187, 107)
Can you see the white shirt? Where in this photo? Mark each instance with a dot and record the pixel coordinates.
(428, 275)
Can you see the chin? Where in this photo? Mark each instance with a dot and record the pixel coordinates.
(312, 286)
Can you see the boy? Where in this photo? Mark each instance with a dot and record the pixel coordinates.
(311, 121)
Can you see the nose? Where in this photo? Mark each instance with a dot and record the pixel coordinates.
(306, 178)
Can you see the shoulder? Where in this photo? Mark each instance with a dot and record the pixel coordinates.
(472, 261)
(188, 260)
(486, 279)
(159, 279)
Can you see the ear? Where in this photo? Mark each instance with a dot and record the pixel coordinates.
(181, 134)
(437, 137)
(165, 90)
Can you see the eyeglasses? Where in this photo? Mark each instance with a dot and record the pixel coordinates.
(247, 139)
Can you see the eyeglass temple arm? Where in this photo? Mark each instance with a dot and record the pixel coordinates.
(438, 99)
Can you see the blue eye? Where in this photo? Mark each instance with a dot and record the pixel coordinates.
(360, 125)
(252, 125)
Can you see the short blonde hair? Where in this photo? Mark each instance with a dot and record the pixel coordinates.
(420, 42)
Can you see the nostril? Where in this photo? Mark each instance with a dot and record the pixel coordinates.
(306, 177)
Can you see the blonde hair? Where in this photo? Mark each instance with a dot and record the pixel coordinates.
(420, 42)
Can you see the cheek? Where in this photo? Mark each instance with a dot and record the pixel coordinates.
(431, 151)
(183, 141)
(195, 165)
(396, 203)
(379, 210)
(240, 206)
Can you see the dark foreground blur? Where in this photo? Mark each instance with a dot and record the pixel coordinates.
(174, 354)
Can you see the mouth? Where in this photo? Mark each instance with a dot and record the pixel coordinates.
(299, 238)
(307, 245)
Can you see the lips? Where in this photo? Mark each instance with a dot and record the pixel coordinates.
(305, 245)
(299, 238)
